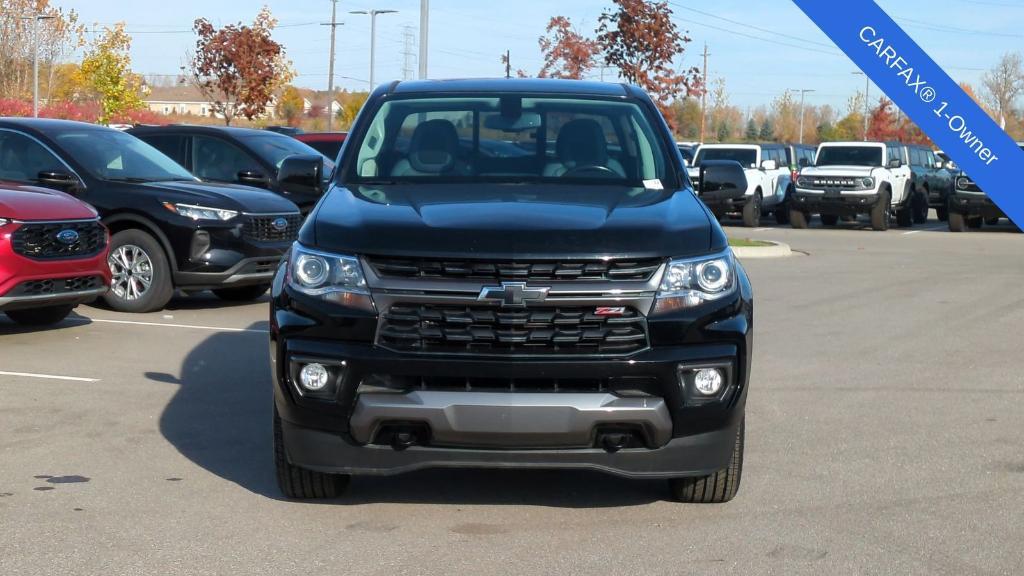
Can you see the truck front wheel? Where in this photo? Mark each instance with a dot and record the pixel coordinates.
(881, 213)
(299, 483)
(752, 212)
(717, 488)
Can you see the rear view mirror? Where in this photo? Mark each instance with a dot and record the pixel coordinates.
(521, 123)
(253, 178)
(302, 174)
(58, 179)
(769, 165)
(722, 176)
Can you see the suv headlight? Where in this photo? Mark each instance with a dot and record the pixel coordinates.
(201, 212)
(804, 181)
(963, 183)
(867, 183)
(335, 277)
(693, 281)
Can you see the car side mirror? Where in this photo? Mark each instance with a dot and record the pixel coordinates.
(58, 179)
(302, 174)
(253, 178)
(686, 163)
(895, 163)
(769, 165)
(803, 163)
(722, 176)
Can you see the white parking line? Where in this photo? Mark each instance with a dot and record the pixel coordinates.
(48, 376)
(186, 326)
(929, 229)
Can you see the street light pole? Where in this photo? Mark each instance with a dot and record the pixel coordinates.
(802, 92)
(330, 69)
(424, 33)
(35, 18)
(373, 36)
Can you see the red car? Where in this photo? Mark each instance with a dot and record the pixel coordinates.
(326, 143)
(53, 254)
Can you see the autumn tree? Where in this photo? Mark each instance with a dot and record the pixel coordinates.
(290, 106)
(567, 53)
(351, 104)
(106, 71)
(59, 37)
(239, 67)
(882, 126)
(786, 110)
(1003, 84)
(641, 40)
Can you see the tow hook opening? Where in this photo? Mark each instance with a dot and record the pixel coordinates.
(613, 439)
(403, 435)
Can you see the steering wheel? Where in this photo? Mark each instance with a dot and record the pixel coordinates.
(593, 169)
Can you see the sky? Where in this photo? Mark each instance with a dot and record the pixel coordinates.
(760, 47)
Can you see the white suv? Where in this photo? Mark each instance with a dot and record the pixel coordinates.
(850, 178)
(768, 177)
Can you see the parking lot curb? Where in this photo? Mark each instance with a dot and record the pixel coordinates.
(776, 250)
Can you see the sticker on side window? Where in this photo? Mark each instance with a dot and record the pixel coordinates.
(653, 185)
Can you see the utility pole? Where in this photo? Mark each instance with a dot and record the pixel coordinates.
(407, 53)
(35, 18)
(424, 28)
(802, 92)
(330, 69)
(508, 63)
(867, 87)
(373, 36)
(704, 94)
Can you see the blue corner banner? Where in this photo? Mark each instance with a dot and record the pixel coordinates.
(912, 80)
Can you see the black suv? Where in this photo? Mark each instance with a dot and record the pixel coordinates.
(931, 183)
(243, 156)
(514, 274)
(169, 230)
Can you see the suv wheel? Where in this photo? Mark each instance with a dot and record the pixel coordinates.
(752, 212)
(829, 219)
(975, 222)
(957, 222)
(920, 204)
(881, 213)
(992, 221)
(798, 219)
(242, 293)
(782, 210)
(942, 214)
(300, 483)
(141, 276)
(717, 488)
(40, 316)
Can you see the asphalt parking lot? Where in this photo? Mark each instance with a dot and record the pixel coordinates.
(884, 436)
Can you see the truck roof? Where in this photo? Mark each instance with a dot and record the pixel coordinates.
(513, 85)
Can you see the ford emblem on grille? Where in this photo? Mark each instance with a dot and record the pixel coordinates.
(513, 294)
(67, 236)
(279, 224)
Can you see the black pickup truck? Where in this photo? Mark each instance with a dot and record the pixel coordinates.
(516, 274)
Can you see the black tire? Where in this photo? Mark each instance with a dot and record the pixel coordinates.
(125, 294)
(299, 483)
(782, 210)
(242, 293)
(829, 219)
(975, 222)
(752, 212)
(942, 214)
(798, 219)
(881, 213)
(40, 316)
(957, 222)
(992, 221)
(920, 203)
(717, 488)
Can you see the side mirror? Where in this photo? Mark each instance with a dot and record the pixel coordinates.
(803, 163)
(895, 163)
(769, 165)
(58, 179)
(722, 176)
(302, 174)
(686, 163)
(253, 178)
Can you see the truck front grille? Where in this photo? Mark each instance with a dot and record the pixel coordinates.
(59, 240)
(563, 330)
(607, 270)
(268, 227)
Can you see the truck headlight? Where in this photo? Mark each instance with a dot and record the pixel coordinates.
(867, 183)
(335, 277)
(804, 182)
(201, 212)
(963, 183)
(693, 281)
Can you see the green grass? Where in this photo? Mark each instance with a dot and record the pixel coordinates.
(747, 243)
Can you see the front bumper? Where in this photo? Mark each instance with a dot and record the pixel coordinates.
(974, 204)
(833, 201)
(38, 283)
(245, 272)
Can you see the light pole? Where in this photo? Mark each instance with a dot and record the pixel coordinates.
(424, 33)
(330, 69)
(867, 87)
(802, 92)
(373, 35)
(35, 18)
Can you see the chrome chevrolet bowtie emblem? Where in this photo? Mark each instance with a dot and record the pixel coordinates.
(513, 294)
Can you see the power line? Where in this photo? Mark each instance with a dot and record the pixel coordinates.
(724, 19)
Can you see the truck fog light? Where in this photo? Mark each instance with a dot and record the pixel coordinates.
(314, 376)
(708, 381)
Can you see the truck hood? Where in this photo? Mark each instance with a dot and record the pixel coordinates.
(21, 202)
(854, 171)
(508, 221)
(230, 196)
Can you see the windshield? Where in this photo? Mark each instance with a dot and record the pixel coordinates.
(274, 148)
(509, 139)
(850, 156)
(113, 155)
(747, 157)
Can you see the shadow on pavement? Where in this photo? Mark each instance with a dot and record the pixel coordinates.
(9, 327)
(220, 419)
